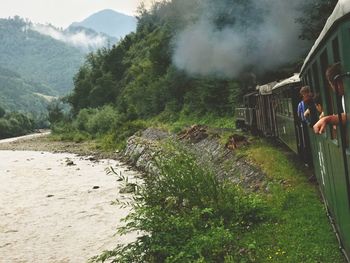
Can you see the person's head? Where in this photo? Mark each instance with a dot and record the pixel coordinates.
(305, 93)
(331, 73)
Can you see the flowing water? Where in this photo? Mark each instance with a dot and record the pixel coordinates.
(58, 207)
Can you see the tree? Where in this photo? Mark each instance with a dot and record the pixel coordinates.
(2, 112)
(314, 16)
(55, 112)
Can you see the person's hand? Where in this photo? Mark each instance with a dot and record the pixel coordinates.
(320, 126)
(307, 112)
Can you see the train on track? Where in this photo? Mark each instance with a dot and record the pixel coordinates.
(271, 110)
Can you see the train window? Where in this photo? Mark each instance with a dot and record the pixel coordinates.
(328, 94)
(335, 47)
(285, 106)
(279, 105)
(290, 107)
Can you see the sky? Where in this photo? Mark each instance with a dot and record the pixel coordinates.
(61, 13)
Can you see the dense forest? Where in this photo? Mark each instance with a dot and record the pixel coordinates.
(18, 94)
(34, 70)
(190, 59)
(37, 57)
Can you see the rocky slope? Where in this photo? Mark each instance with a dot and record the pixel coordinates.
(206, 147)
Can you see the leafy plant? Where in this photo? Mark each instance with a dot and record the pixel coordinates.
(186, 215)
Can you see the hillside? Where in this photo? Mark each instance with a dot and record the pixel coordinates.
(109, 22)
(17, 94)
(37, 57)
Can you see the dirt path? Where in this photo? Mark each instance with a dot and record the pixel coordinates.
(56, 207)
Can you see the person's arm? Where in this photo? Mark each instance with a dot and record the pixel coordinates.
(306, 113)
(320, 126)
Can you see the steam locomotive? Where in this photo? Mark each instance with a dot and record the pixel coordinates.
(272, 111)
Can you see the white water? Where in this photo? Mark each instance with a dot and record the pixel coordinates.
(49, 211)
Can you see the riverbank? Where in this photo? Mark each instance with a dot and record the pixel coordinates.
(43, 142)
(58, 207)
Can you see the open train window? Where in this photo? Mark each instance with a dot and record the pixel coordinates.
(328, 93)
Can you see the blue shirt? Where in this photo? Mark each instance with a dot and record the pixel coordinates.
(301, 110)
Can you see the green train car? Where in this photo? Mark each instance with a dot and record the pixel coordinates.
(330, 150)
(288, 128)
(275, 108)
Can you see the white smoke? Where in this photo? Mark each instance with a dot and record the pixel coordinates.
(79, 39)
(203, 48)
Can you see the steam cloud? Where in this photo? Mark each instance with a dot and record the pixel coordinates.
(78, 39)
(203, 48)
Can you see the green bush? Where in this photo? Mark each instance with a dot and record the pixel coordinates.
(103, 121)
(97, 121)
(187, 215)
(15, 124)
(82, 119)
(4, 128)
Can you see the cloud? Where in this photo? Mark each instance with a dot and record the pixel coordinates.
(80, 39)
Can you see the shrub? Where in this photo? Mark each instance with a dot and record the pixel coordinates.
(15, 124)
(187, 215)
(82, 119)
(102, 121)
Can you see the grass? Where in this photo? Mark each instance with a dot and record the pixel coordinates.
(184, 121)
(301, 231)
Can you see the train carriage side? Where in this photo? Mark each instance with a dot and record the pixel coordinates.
(265, 115)
(245, 116)
(330, 151)
(286, 99)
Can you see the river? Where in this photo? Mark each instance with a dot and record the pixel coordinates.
(57, 207)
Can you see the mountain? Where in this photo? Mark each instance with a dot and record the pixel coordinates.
(37, 57)
(18, 94)
(109, 22)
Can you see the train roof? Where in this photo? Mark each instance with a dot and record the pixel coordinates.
(341, 9)
(292, 80)
(266, 89)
